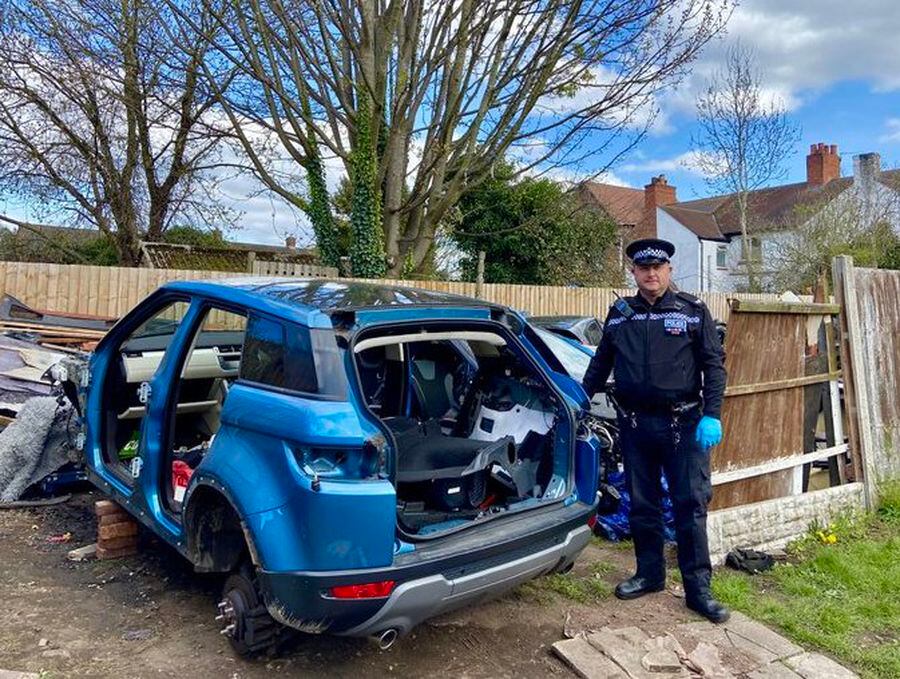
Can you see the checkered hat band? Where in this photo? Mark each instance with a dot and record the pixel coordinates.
(647, 253)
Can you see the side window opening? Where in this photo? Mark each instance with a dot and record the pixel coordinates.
(279, 355)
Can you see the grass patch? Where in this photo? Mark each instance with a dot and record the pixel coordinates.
(839, 592)
(585, 590)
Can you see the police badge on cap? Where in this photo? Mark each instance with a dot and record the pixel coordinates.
(650, 251)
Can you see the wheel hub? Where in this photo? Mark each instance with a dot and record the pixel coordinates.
(231, 610)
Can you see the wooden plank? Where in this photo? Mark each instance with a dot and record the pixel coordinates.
(876, 303)
(732, 475)
(784, 307)
(853, 365)
(743, 389)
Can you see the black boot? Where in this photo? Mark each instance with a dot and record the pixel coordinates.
(637, 586)
(709, 608)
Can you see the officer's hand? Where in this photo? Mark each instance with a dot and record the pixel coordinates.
(709, 432)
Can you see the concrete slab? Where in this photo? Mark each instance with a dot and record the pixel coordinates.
(762, 636)
(705, 659)
(776, 670)
(818, 666)
(626, 655)
(12, 674)
(633, 635)
(586, 661)
(728, 643)
(661, 660)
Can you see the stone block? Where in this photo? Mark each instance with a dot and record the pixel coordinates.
(775, 670)
(818, 666)
(661, 660)
(626, 655)
(705, 659)
(82, 554)
(586, 661)
(761, 635)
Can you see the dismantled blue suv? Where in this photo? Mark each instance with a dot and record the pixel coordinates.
(357, 457)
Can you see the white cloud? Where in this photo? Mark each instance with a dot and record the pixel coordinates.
(804, 47)
(893, 131)
(690, 161)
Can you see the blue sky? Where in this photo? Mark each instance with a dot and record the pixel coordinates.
(835, 65)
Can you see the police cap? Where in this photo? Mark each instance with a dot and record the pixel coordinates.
(650, 251)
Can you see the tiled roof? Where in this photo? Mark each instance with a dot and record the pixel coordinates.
(717, 217)
(703, 224)
(623, 204)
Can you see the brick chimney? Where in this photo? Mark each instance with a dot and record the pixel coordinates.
(290, 243)
(822, 164)
(656, 193)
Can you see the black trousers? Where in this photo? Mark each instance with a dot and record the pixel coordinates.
(652, 444)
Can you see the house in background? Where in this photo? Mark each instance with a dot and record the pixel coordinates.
(709, 250)
(634, 211)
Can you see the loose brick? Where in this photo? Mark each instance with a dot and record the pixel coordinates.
(118, 543)
(117, 530)
(102, 507)
(115, 553)
(109, 519)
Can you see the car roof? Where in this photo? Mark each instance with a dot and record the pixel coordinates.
(308, 295)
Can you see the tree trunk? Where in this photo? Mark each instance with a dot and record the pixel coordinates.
(319, 213)
(367, 251)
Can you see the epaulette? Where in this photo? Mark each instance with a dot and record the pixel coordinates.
(691, 299)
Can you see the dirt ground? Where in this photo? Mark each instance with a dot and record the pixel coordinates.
(151, 616)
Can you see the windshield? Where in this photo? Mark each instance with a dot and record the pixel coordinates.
(573, 359)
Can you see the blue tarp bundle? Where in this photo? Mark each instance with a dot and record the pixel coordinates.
(615, 526)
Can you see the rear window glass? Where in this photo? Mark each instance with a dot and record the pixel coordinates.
(279, 356)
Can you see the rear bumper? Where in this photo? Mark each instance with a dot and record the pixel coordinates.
(432, 580)
(417, 600)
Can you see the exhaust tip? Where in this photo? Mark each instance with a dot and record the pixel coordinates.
(384, 640)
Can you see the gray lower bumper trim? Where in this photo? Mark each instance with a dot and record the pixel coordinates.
(417, 600)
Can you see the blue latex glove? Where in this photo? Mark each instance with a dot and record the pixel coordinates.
(709, 432)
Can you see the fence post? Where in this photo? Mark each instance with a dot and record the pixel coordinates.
(853, 367)
(345, 269)
(251, 260)
(479, 276)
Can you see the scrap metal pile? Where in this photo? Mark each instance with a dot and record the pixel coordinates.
(37, 454)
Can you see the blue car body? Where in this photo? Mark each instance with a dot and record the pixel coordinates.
(309, 531)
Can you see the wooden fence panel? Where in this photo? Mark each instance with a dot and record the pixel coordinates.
(871, 323)
(107, 291)
(760, 427)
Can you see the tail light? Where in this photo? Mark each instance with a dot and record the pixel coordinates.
(370, 590)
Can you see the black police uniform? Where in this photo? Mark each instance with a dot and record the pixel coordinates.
(669, 372)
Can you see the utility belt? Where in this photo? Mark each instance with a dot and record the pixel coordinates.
(677, 409)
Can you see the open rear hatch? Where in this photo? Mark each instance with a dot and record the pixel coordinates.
(476, 427)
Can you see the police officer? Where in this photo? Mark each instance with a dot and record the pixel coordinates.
(669, 384)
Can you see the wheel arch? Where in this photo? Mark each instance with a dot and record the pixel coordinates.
(216, 536)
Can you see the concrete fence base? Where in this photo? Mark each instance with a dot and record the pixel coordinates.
(774, 523)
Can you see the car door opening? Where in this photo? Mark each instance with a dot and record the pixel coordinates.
(476, 427)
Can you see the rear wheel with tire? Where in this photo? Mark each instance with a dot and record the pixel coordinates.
(243, 616)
